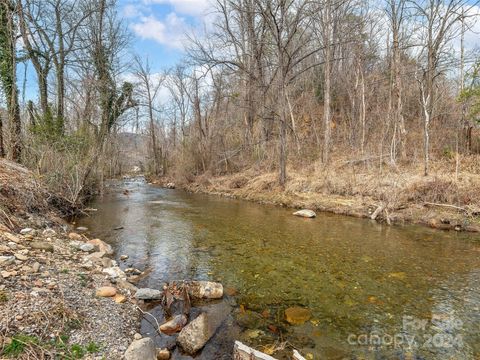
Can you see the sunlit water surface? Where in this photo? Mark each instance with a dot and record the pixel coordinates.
(375, 292)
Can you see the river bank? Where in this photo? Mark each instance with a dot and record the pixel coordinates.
(50, 276)
(394, 196)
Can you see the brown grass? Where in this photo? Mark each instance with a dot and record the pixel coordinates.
(358, 189)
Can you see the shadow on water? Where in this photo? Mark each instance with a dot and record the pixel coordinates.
(371, 289)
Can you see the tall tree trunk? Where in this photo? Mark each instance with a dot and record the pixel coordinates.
(327, 69)
(8, 76)
(2, 150)
(156, 158)
(326, 105)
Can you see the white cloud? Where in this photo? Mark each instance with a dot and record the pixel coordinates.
(170, 31)
(187, 7)
(131, 11)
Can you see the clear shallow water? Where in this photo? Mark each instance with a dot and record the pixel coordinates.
(371, 289)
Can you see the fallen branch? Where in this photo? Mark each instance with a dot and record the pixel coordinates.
(447, 206)
(377, 212)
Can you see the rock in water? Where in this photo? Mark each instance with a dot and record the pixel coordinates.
(143, 349)
(102, 246)
(174, 325)
(297, 315)
(305, 213)
(205, 289)
(106, 291)
(163, 354)
(148, 294)
(195, 335)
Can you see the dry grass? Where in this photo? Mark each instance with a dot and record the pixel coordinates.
(359, 188)
(21, 194)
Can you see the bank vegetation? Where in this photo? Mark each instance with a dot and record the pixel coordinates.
(374, 100)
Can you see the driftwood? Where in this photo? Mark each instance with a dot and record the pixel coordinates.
(297, 356)
(243, 352)
(377, 212)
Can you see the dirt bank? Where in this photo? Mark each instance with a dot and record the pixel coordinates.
(390, 195)
(49, 277)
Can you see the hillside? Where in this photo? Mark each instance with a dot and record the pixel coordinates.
(48, 282)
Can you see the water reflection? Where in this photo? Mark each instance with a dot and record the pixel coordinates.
(356, 277)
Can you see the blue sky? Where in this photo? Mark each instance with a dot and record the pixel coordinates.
(159, 27)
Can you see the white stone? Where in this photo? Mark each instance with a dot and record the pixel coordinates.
(305, 213)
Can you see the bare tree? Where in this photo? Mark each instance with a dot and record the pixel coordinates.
(288, 23)
(396, 13)
(437, 21)
(149, 87)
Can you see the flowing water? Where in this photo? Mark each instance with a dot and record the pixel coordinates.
(373, 291)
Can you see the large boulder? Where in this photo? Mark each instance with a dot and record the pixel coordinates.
(148, 294)
(305, 213)
(195, 335)
(142, 349)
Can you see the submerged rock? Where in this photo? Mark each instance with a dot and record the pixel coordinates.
(297, 315)
(148, 294)
(174, 325)
(142, 349)
(195, 335)
(305, 213)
